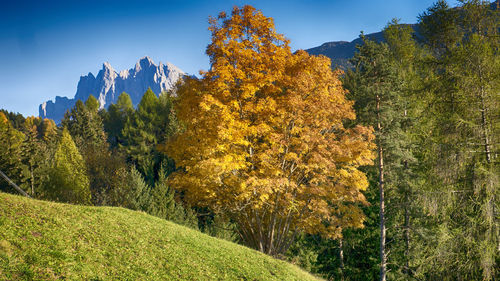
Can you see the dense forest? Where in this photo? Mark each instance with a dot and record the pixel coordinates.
(389, 170)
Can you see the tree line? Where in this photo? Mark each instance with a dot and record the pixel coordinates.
(96, 157)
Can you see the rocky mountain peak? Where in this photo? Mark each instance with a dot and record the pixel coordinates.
(107, 66)
(144, 63)
(109, 84)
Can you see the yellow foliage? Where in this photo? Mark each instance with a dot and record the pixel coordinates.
(264, 137)
(3, 118)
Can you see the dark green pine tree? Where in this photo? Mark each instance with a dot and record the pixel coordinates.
(403, 211)
(158, 200)
(150, 126)
(438, 28)
(139, 197)
(376, 88)
(85, 124)
(116, 117)
(164, 205)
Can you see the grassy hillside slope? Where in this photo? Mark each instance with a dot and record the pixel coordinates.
(45, 241)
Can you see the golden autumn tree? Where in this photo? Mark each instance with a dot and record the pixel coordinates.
(264, 139)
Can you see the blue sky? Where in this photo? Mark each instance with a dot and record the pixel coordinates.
(45, 46)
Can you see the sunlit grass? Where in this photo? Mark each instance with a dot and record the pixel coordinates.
(42, 240)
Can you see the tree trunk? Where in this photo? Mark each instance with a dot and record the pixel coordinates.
(484, 125)
(487, 151)
(383, 258)
(406, 269)
(341, 257)
(32, 178)
(407, 239)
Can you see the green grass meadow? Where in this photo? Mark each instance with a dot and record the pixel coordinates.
(42, 240)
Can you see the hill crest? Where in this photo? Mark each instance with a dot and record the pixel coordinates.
(42, 240)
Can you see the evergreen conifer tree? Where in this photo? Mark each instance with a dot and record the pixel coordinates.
(116, 117)
(151, 124)
(32, 152)
(68, 177)
(462, 162)
(376, 88)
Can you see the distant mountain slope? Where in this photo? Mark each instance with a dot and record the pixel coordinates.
(341, 51)
(42, 240)
(109, 84)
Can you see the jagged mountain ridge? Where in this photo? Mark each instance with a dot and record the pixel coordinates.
(109, 84)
